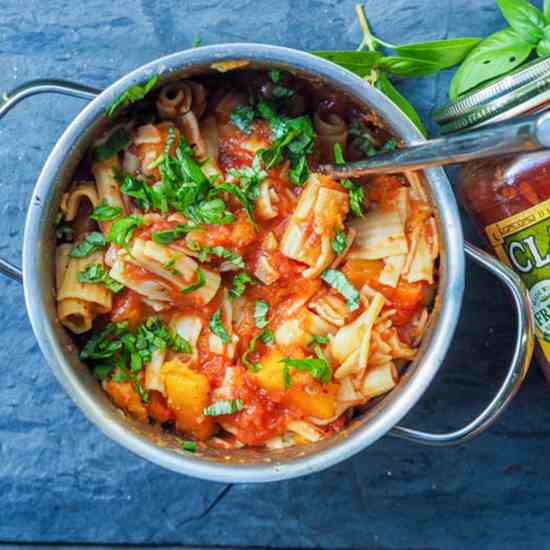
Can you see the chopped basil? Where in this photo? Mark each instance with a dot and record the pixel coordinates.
(267, 337)
(142, 392)
(88, 245)
(132, 94)
(317, 367)
(58, 218)
(239, 284)
(282, 92)
(170, 266)
(242, 118)
(275, 75)
(340, 242)
(287, 379)
(216, 326)
(64, 231)
(365, 142)
(355, 192)
(218, 251)
(221, 408)
(356, 197)
(201, 281)
(337, 280)
(197, 41)
(105, 213)
(243, 197)
(260, 313)
(318, 339)
(146, 196)
(295, 136)
(122, 230)
(187, 445)
(167, 236)
(95, 274)
(114, 144)
(102, 372)
(209, 211)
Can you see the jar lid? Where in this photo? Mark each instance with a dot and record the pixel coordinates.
(522, 90)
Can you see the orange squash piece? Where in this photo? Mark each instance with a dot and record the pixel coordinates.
(188, 393)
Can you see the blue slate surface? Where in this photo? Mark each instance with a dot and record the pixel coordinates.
(62, 481)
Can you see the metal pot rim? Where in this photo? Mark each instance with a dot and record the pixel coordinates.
(451, 288)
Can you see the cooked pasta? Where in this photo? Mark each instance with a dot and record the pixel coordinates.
(225, 289)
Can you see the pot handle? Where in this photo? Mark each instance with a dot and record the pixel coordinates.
(28, 89)
(516, 371)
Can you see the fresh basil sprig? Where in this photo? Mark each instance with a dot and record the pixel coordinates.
(409, 60)
(503, 51)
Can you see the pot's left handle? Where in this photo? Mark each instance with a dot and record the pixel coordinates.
(28, 89)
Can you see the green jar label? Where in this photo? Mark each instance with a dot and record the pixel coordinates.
(522, 241)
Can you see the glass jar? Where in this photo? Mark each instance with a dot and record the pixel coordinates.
(508, 197)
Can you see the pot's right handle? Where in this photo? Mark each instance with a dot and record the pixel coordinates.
(516, 371)
(28, 89)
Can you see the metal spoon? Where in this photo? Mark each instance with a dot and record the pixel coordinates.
(516, 136)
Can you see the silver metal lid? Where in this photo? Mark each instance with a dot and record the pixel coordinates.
(520, 91)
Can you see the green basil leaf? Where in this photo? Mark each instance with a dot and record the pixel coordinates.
(239, 284)
(318, 339)
(216, 326)
(498, 54)
(219, 251)
(147, 196)
(299, 171)
(201, 281)
(187, 445)
(287, 379)
(64, 232)
(88, 245)
(95, 274)
(543, 47)
(237, 192)
(409, 66)
(102, 372)
(133, 94)
(267, 336)
(282, 92)
(221, 408)
(337, 280)
(527, 20)
(275, 75)
(242, 117)
(317, 367)
(446, 53)
(358, 62)
(122, 230)
(386, 87)
(105, 213)
(167, 236)
(355, 192)
(340, 241)
(114, 144)
(260, 313)
(197, 41)
(210, 212)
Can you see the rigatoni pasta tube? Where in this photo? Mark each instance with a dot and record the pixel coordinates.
(71, 288)
(107, 186)
(76, 314)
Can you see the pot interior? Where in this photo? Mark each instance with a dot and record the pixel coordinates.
(151, 441)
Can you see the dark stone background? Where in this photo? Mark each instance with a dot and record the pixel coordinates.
(62, 481)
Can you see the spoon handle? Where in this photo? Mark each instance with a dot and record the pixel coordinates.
(531, 133)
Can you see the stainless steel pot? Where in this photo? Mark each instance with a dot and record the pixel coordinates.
(252, 465)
